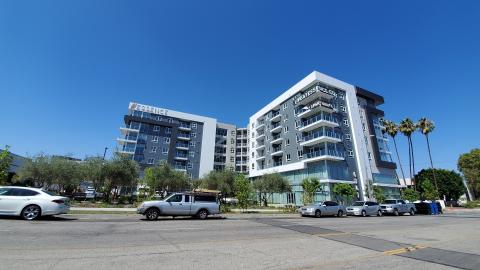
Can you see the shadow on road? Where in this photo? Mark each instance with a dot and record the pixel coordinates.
(45, 218)
(163, 219)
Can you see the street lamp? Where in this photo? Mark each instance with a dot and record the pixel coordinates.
(105, 152)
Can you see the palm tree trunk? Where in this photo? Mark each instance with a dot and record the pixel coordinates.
(431, 164)
(413, 161)
(398, 157)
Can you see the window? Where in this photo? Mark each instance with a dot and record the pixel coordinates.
(194, 134)
(167, 140)
(175, 198)
(341, 96)
(154, 149)
(232, 141)
(19, 192)
(285, 118)
(288, 142)
(300, 154)
(350, 153)
(232, 159)
(232, 132)
(170, 120)
(285, 106)
(343, 108)
(298, 138)
(150, 161)
(168, 130)
(345, 121)
(288, 157)
(232, 150)
(205, 198)
(192, 144)
(348, 137)
(369, 156)
(156, 128)
(165, 151)
(364, 127)
(155, 139)
(285, 129)
(192, 154)
(187, 198)
(194, 125)
(189, 165)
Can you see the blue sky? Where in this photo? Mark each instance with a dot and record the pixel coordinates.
(68, 69)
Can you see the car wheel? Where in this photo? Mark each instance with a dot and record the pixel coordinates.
(364, 213)
(202, 214)
(395, 212)
(318, 214)
(379, 213)
(340, 213)
(412, 212)
(152, 214)
(31, 212)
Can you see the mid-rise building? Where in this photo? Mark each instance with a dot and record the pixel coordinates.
(325, 128)
(190, 143)
(241, 152)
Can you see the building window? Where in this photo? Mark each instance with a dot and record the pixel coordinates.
(189, 165)
(253, 166)
(232, 132)
(341, 96)
(343, 108)
(194, 134)
(298, 138)
(167, 140)
(348, 137)
(165, 151)
(168, 130)
(232, 159)
(170, 120)
(192, 144)
(288, 142)
(194, 125)
(369, 156)
(155, 139)
(154, 149)
(285, 106)
(232, 141)
(232, 150)
(150, 161)
(156, 128)
(364, 127)
(288, 157)
(345, 121)
(300, 154)
(192, 154)
(285, 129)
(350, 153)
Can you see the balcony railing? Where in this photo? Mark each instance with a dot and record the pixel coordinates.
(319, 117)
(276, 137)
(276, 149)
(324, 152)
(182, 145)
(183, 125)
(180, 167)
(181, 155)
(322, 133)
(183, 135)
(277, 163)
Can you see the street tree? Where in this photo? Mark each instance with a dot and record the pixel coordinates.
(5, 162)
(407, 128)
(243, 191)
(426, 127)
(410, 195)
(391, 129)
(345, 191)
(450, 183)
(164, 179)
(429, 192)
(269, 184)
(93, 169)
(121, 171)
(310, 187)
(222, 181)
(469, 166)
(379, 194)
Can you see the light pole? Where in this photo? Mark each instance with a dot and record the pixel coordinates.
(105, 152)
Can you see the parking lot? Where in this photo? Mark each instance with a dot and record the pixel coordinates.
(124, 241)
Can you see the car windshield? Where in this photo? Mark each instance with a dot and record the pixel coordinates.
(390, 202)
(358, 203)
(51, 193)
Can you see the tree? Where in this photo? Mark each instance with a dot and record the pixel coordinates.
(121, 171)
(5, 162)
(391, 129)
(426, 126)
(164, 179)
(269, 184)
(344, 191)
(310, 186)
(469, 166)
(38, 170)
(428, 191)
(93, 169)
(222, 181)
(410, 195)
(66, 174)
(407, 127)
(243, 190)
(450, 183)
(379, 194)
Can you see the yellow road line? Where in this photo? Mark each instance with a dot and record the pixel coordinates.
(404, 250)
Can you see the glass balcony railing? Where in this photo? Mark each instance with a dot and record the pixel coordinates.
(183, 135)
(276, 137)
(276, 149)
(183, 145)
(324, 152)
(322, 133)
(180, 167)
(181, 155)
(277, 163)
(317, 118)
(275, 125)
(184, 125)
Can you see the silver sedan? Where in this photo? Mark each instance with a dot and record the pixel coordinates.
(327, 208)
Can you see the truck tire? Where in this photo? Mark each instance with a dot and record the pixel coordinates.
(412, 212)
(152, 213)
(202, 214)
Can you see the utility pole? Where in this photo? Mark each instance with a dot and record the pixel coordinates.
(105, 153)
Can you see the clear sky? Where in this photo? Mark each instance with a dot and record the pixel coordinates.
(68, 69)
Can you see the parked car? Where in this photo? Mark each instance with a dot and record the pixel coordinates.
(327, 208)
(181, 204)
(31, 203)
(364, 208)
(398, 207)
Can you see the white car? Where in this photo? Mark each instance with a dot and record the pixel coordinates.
(31, 203)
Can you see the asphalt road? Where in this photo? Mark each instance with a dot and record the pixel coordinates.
(123, 241)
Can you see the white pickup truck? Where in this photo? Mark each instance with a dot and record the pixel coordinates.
(193, 204)
(398, 207)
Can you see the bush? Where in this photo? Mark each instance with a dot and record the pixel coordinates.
(472, 204)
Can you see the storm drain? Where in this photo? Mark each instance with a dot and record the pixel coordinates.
(433, 255)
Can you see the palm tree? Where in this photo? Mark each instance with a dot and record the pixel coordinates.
(426, 126)
(391, 129)
(407, 128)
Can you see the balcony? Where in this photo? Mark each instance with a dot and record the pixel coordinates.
(277, 163)
(276, 139)
(324, 155)
(181, 156)
(261, 125)
(276, 128)
(314, 93)
(182, 146)
(260, 146)
(124, 141)
(260, 136)
(184, 126)
(260, 158)
(276, 117)
(277, 151)
(321, 137)
(180, 168)
(318, 121)
(127, 150)
(183, 136)
(125, 130)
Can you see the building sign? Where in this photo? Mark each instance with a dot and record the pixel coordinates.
(146, 108)
(313, 90)
(320, 103)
